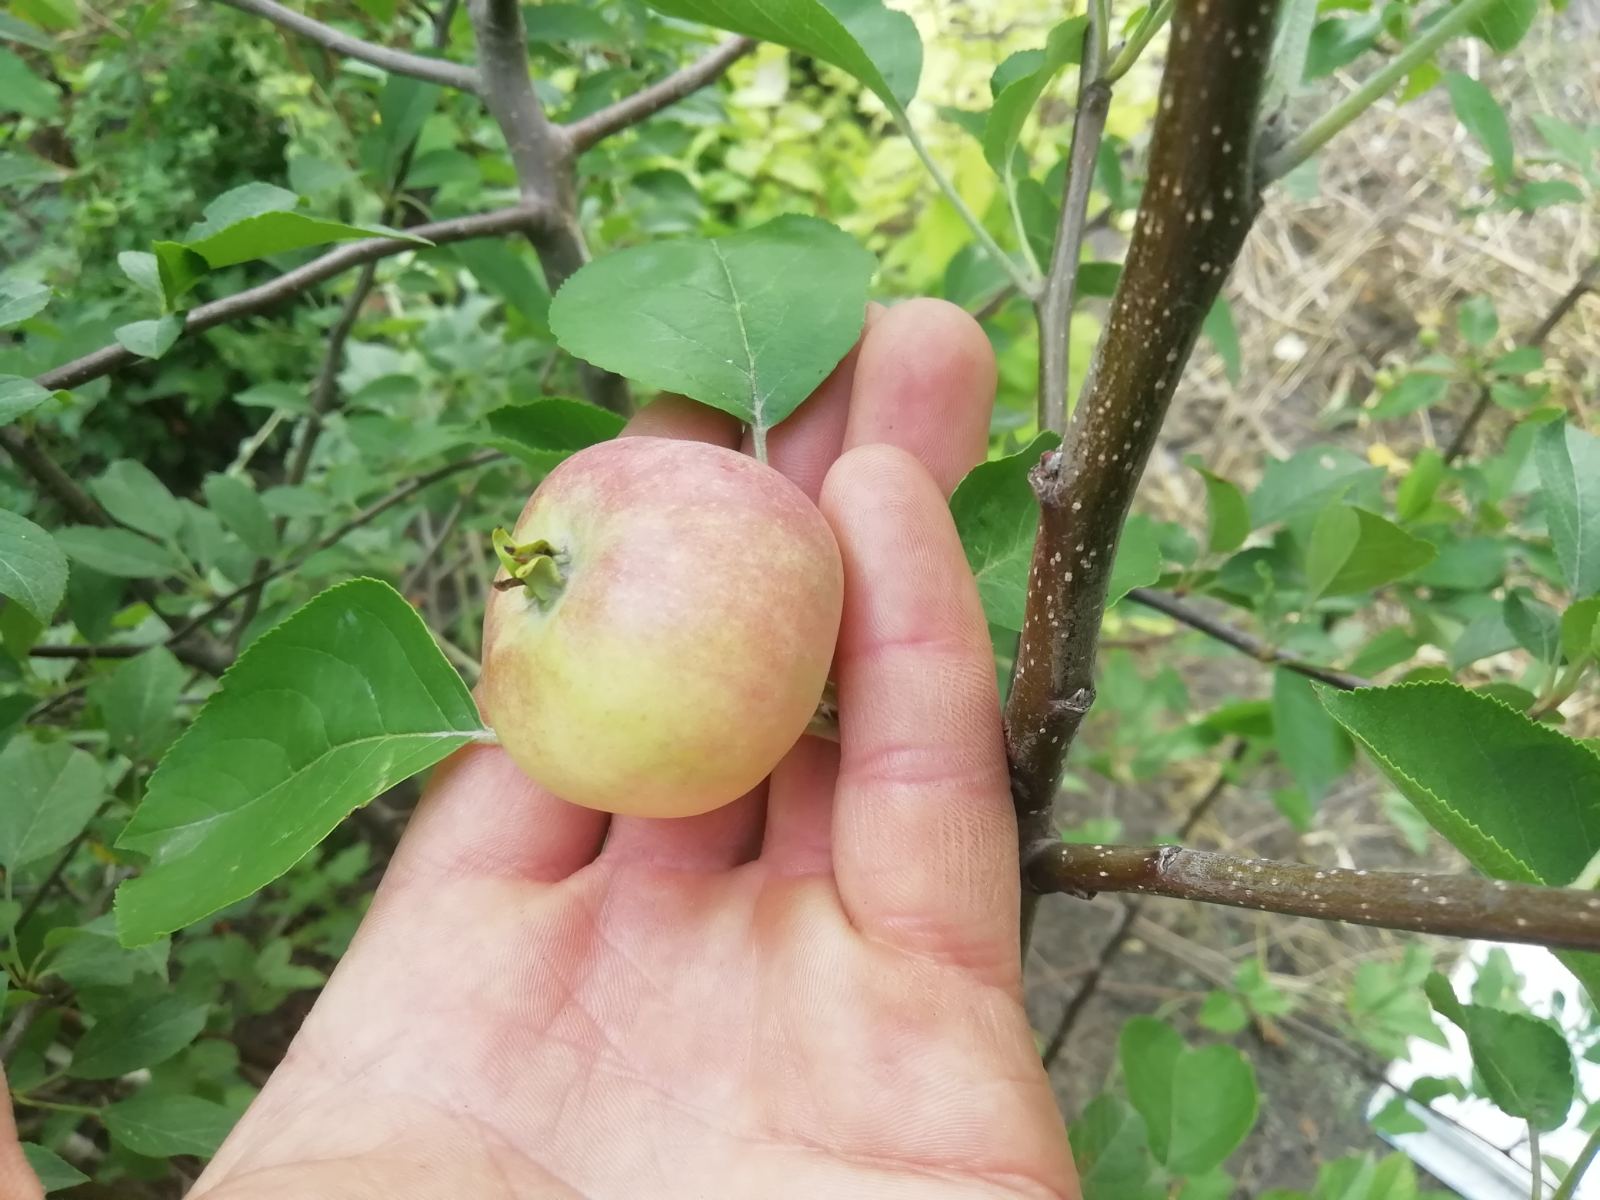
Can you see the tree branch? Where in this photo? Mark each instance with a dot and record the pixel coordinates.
(1586, 282)
(399, 62)
(542, 157)
(1054, 309)
(1197, 208)
(1465, 906)
(630, 110)
(1249, 643)
(258, 299)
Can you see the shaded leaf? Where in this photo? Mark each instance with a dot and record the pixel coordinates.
(118, 552)
(1310, 742)
(149, 339)
(1020, 87)
(55, 1173)
(997, 515)
(544, 431)
(138, 700)
(51, 791)
(1524, 1062)
(33, 569)
(1481, 115)
(1568, 460)
(242, 511)
(1353, 550)
(141, 1033)
(19, 396)
(158, 1125)
(133, 496)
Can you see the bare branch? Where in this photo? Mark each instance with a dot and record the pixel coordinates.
(1466, 906)
(630, 110)
(1197, 208)
(1586, 282)
(1255, 647)
(1054, 309)
(291, 283)
(398, 62)
(542, 157)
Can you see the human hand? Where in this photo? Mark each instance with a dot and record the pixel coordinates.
(813, 992)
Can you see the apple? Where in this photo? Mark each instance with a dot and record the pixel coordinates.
(662, 628)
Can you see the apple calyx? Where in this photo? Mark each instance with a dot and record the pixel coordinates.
(532, 565)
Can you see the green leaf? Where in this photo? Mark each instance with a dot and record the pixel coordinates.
(133, 495)
(259, 220)
(159, 1125)
(142, 270)
(55, 1173)
(997, 515)
(1111, 1149)
(1580, 629)
(732, 321)
(1223, 1013)
(241, 510)
(876, 44)
(1534, 624)
(24, 34)
(1198, 1104)
(1481, 115)
(19, 396)
(117, 552)
(149, 339)
(1413, 391)
(404, 105)
(1018, 92)
(21, 91)
(1421, 484)
(1504, 24)
(90, 956)
(504, 271)
(1353, 550)
(19, 301)
(1309, 741)
(141, 1033)
(542, 432)
(33, 570)
(1223, 335)
(1568, 459)
(1472, 766)
(1138, 560)
(1228, 523)
(179, 269)
(138, 702)
(1525, 1063)
(1387, 1007)
(1520, 361)
(346, 697)
(1308, 481)
(51, 792)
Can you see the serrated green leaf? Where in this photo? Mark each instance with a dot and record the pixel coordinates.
(118, 552)
(1534, 624)
(51, 791)
(159, 1125)
(346, 697)
(149, 339)
(1524, 1062)
(727, 321)
(1481, 115)
(997, 516)
(141, 1033)
(55, 1173)
(1472, 766)
(138, 701)
(1019, 89)
(1568, 460)
(1353, 550)
(876, 44)
(19, 396)
(242, 511)
(133, 495)
(33, 569)
(542, 432)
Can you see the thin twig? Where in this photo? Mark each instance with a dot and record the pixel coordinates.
(1465, 906)
(446, 528)
(1054, 309)
(399, 62)
(1255, 647)
(646, 102)
(1585, 283)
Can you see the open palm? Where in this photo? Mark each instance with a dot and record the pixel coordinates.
(811, 993)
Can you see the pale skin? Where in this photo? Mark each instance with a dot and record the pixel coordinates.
(812, 993)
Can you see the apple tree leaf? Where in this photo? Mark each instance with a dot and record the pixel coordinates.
(33, 570)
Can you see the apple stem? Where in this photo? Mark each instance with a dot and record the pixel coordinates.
(758, 435)
(531, 565)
